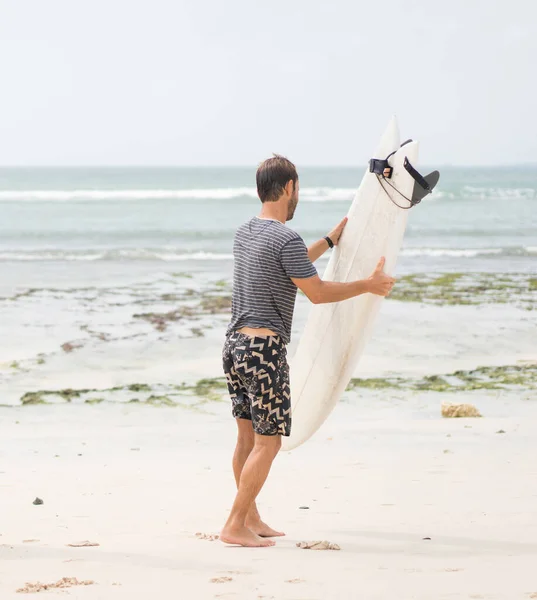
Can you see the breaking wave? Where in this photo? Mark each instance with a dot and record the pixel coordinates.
(170, 254)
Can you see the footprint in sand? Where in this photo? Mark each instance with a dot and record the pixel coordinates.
(65, 582)
(319, 545)
(210, 537)
(221, 579)
(83, 544)
(73, 560)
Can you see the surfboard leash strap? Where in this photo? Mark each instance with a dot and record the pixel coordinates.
(381, 166)
(417, 176)
(381, 178)
(384, 171)
(419, 180)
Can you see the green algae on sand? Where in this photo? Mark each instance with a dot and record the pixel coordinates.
(206, 390)
(482, 378)
(517, 289)
(185, 395)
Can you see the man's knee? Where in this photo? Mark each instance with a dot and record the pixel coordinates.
(268, 443)
(244, 445)
(245, 435)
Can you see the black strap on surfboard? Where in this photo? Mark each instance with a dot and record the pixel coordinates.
(380, 166)
(423, 185)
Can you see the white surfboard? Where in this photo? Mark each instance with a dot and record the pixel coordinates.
(336, 334)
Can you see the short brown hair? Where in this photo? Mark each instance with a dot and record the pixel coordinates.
(272, 176)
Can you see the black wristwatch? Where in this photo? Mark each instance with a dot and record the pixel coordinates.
(330, 242)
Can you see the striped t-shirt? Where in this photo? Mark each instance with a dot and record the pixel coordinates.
(267, 254)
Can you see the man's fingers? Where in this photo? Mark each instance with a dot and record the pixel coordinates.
(342, 224)
(338, 230)
(380, 265)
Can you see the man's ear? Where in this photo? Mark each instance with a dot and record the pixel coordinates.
(290, 187)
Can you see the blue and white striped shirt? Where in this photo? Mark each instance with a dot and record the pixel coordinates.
(267, 254)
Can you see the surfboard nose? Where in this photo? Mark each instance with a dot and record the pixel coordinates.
(389, 140)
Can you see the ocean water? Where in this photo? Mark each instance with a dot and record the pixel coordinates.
(83, 249)
(486, 216)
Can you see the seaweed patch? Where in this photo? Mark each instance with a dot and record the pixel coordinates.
(482, 378)
(517, 289)
(186, 395)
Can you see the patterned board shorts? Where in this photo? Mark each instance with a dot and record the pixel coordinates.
(257, 376)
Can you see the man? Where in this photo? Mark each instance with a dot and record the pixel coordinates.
(271, 262)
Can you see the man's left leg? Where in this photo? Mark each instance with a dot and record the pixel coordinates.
(253, 476)
(245, 444)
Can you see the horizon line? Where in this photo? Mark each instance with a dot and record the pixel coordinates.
(251, 166)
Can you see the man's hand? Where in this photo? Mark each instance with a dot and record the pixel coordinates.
(335, 234)
(379, 283)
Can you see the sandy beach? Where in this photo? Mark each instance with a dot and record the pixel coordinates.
(378, 480)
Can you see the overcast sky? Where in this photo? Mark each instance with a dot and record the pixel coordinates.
(227, 82)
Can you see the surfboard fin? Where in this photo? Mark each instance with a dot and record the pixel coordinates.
(423, 185)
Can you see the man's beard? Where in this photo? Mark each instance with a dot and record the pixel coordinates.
(291, 209)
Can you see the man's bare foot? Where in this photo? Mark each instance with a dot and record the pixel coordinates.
(262, 529)
(242, 536)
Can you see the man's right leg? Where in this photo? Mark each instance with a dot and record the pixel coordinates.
(245, 444)
(253, 476)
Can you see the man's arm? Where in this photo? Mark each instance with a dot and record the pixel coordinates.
(322, 292)
(318, 248)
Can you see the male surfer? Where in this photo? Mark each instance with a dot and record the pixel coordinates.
(271, 262)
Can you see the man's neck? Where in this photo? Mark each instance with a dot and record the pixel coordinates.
(275, 215)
